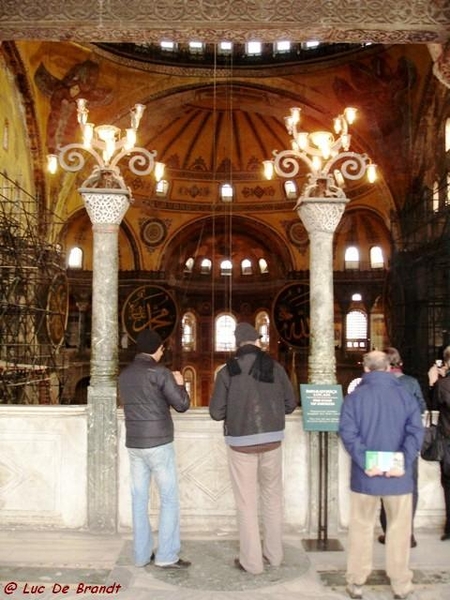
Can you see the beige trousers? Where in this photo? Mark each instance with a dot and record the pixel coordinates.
(257, 482)
(363, 513)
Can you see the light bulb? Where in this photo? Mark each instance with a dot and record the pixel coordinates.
(372, 172)
(350, 114)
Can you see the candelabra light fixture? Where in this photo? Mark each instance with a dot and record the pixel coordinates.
(107, 145)
(326, 155)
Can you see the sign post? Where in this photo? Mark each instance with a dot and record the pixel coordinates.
(321, 408)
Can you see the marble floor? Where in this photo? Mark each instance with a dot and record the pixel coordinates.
(62, 564)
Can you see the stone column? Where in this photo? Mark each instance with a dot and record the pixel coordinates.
(82, 308)
(106, 209)
(320, 217)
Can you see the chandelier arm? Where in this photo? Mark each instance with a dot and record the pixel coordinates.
(72, 158)
(351, 164)
(287, 162)
(141, 163)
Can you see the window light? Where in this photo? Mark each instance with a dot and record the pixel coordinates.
(169, 46)
(75, 260)
(162, 187)
(195, 46)
(254, 48)
(225, 47)
(226, 192)
(205, 266)
(226, 267)
(290, 189)
(246, 267)
(282, 46)
(263, 265)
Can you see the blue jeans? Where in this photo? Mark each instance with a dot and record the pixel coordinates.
(158, 462)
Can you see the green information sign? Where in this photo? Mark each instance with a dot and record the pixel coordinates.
(321, 406)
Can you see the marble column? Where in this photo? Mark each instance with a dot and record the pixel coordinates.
(106, 208)
(320, 217)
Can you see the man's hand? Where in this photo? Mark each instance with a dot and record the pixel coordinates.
(395, 472)
(178, 377)
(373, 472)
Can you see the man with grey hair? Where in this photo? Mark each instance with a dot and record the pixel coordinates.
(380, 415)
(252, 394)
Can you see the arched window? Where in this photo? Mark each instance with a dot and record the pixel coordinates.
(290, 189)
(376, 257)
(356, 330)
(205, 266)
(224, 329)
(189, 265)
(226, 192)
(352, 258)
(447, 134)
(75, 260)
(246, 267)
(226, 267)
(190, 384)
(262, 323)
(188, 332)
(263, 268)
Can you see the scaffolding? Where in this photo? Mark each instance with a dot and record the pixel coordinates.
(33, 302)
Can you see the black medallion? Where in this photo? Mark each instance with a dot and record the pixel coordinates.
(149, 306)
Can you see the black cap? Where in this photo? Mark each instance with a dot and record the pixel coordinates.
(148, 341)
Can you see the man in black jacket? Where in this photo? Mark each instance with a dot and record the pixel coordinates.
(147, 391)
(252, 394)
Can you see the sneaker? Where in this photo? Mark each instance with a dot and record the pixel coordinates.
(354, 591)
(382, 539)
(180, 564)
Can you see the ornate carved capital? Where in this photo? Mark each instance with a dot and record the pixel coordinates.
(441, 57)
(105, 206)
(321, 214)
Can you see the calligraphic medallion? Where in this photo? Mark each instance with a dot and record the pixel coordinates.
(149, 306)
(291, 315)
(57, 309)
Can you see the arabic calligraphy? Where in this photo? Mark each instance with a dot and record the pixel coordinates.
(149, 307)
(291, 315)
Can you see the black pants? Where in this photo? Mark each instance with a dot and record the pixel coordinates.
(445, 482)
(415, 498)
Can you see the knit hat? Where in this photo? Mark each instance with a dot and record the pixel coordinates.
(245, 332)
(148, 341)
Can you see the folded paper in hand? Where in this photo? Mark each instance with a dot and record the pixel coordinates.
(385, 461)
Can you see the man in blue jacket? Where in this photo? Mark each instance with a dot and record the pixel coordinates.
(380, 415)
(252, 394)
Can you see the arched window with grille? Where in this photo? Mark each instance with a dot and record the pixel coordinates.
(226, 267)
(262, 324)
(351, 258)
(246, 267)
(188, 332)
(205, 266)
(190, 384)
(356, 330)
(75, 260)
(376, 257)
(225, 325)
